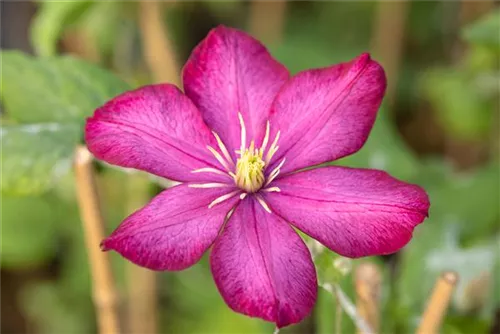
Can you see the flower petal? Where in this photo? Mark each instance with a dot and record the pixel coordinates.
(354, 212)
(231, 72)
(325, 114)
(173, 231)
(263, 268)
(156, 129)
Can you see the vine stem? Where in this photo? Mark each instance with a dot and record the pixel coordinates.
(348, 307)
(388, 38)
(267, 20)
(338, 317)
(103, 284)
(141, 283)
(368, 282)
(160, 57)
(438, 303)
(157, 47)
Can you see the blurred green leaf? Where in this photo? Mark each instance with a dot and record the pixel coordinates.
(461, 108)
(458, 235)
(464, 325)
(49, 308)
(481, 60)
(199, 308)
(49, 23)
(62, 89)
(104, 23)
(468, 199)
(320, 34)
(29, 236)
(35, 156)
(485, 31)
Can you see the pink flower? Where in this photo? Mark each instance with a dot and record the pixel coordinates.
(239, 140)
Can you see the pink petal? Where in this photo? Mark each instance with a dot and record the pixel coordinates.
(325, 114)
(354, 212)
(174, 230)
(262, 268)
(156, 129)
(231, 72)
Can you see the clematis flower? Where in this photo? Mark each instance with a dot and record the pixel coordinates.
(239, 140)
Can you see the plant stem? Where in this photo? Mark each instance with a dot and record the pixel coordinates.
(162, 63)
(142, 313)
(368, 282)
(267, 20)
(157, 47)
(438, 303)
(472, 10)
(338, 317)
(103, 285)
(347, 306)
(388, 38)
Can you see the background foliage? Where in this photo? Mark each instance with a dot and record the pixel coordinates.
(439, 130)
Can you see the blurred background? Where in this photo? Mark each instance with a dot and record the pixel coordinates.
(438, 127)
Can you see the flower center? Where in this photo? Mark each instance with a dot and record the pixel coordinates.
(250, 170)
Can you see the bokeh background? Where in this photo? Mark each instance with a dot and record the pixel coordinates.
(438, 127)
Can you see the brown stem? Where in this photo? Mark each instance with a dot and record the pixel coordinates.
(388, 38)
(368, 282)
(438, 303)
(103, 285)
(142, 313)
(267, 20)
(157, 46)
(472, 10)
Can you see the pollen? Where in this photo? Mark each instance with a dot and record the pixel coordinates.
(250, 169)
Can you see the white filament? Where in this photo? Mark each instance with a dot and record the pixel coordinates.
(209, 185)
(219, 158)
(209, 170)
(223, 149)
(271, 189)
(263, 203)
(243, 134)
(223, 198)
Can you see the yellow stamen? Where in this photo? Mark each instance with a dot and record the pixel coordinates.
(250, 170)
(249, 174)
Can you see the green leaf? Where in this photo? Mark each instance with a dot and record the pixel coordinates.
(50, 21)
(35, 156)
(471, 200)
(28, 231)
(485, 31)
(458, 235)
(62, 89)
(52, 311)
(103, 23)
(459, 103)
